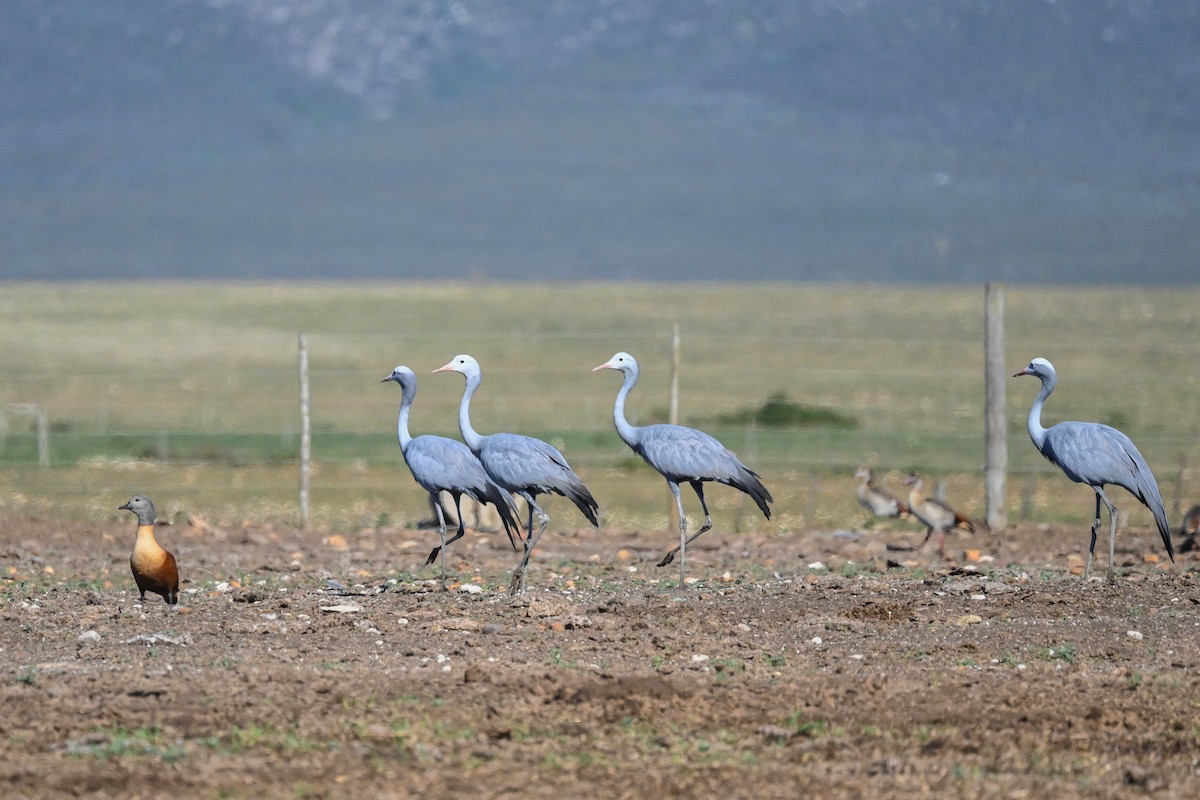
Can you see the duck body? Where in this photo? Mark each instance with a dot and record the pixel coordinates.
(154, 568)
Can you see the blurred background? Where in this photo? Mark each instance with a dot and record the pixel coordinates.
(825, 140)
(814, 191)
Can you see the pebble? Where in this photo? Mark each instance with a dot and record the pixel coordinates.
(471, 588)
(699, 658)
(817, 565)
(342, 608)
(1135, 635)
(89, 637)
(816, 640)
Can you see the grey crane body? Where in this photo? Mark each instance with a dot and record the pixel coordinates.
(439, 464)
(682, 455)
(523, 465)
(1096, 455)
(878, 501)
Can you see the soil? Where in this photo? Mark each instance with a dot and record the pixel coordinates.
(330, 664)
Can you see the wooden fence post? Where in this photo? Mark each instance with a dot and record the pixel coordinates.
(673, 391)
(995, 406)
(673, 412)
(305, 432)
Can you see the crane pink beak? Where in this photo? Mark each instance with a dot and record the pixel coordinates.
(605, 365)
(446, 368)
(1022, 372)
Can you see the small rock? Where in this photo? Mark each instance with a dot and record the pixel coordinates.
(475, 674)
(471, 588)
(816, 640)
(342, 608)
(493, 627)
(968, 619)
(1135, 635)
(774, 733)
(88, 637)
(817, 565)
(699, 658)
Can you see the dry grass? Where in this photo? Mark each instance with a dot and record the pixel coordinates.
(197, 361)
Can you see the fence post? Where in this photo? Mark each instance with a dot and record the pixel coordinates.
(673, 391)
(995, 405)
(305, 432)
(41, 423)
(673, 415)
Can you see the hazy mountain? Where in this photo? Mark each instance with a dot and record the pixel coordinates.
(808, 139)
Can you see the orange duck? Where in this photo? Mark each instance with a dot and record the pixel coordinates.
(153, 567)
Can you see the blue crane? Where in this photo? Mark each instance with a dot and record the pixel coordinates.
(439, 464)
(1097, 455)
(682, 454)
(523, 465)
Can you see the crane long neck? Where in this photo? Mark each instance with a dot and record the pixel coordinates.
(1036, 432)
(627, 432)
(406, 401)
(473, 439)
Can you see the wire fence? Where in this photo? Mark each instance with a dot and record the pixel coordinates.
(913, 401)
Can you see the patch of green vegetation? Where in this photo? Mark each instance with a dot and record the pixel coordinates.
(121, 742)
(264, 737)
(777, 411)
(1061, 652)
(559, 660)
(727, 668)
(804, 726)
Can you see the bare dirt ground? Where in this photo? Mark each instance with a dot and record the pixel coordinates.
(327, 664)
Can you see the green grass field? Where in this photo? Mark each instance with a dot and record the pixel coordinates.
(189, 392)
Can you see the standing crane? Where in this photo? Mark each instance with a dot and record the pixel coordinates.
(523, 465)
(1097, 455)
(439, 464)
(681, 454)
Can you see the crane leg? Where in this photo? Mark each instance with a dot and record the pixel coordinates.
(1112, 530)
(442, 549)
(684, 539)
(442, 525)
(517, 584)
(1087, 571)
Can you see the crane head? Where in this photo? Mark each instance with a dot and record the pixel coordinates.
(621, 361)
(401, 375)
(1039, 367)
(460, 363)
